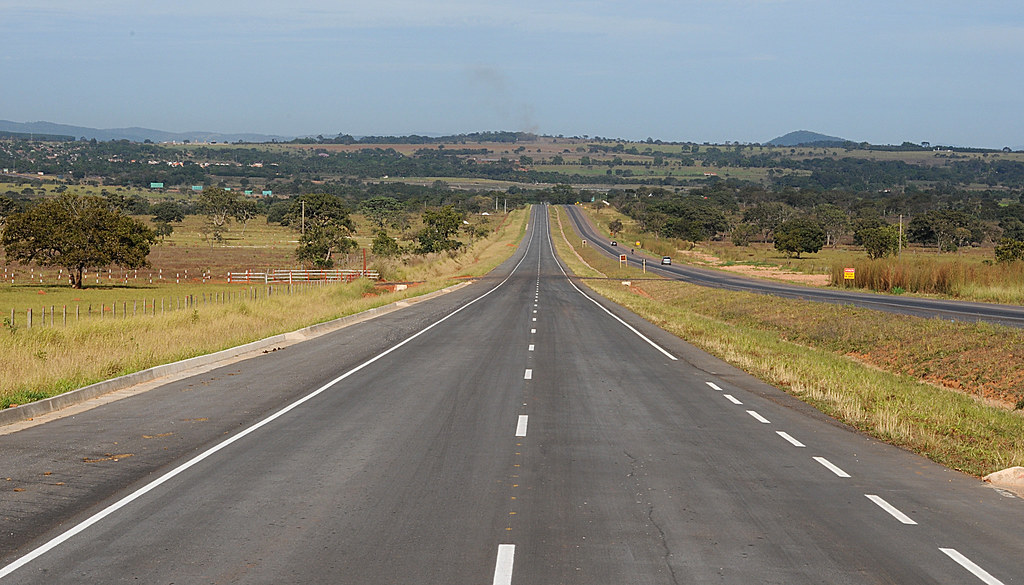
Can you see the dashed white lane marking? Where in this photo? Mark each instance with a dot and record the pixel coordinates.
(713, 386)
(831, 467)
(528, 375)
(731, 398)
(551, 246)
(531, 347)
(535, 319)
(758, 417)
(790, 438)
(533, 330)
(521, 425)
(890, 509)
(503, 566)
(970, 566)
(156, 483)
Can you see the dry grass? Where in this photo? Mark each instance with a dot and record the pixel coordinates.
(949, 275)
(42, 362)
(945, 390)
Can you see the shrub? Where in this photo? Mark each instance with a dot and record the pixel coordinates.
(1009, 250)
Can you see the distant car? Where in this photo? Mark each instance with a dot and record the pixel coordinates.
(614, 243)
(666, 261)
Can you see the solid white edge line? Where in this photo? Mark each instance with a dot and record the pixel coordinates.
(713, 386)
(831, 467)
(790, 438)
(758, 417)
(521, 425)
(731, 398)
(528, 375)
(971, 566)
(88, 522)
(503, 564)
(602, 307)
(890, 509)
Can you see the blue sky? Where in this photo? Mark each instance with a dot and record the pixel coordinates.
(948, 72)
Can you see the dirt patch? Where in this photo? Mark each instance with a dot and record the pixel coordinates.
(773, 272)
(639, 291)
(777, 273)
(700, 257)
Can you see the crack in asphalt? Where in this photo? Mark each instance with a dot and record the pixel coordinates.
(664, 543)
(634, 463)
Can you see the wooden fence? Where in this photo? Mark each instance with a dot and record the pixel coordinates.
(291, 276)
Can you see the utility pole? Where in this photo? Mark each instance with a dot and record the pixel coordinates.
(899, 244)
(303, 223)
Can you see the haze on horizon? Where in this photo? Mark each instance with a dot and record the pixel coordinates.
(745, 70)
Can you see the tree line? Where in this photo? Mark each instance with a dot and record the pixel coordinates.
(798, 220)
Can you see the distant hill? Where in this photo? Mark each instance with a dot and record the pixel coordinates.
(806, 138)
(133, 134)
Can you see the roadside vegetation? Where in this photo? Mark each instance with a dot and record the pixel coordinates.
(968, 274)
(949, 391)
(48, 360)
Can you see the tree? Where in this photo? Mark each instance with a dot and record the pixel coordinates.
(319, 209)
(218, 205)
(615, 227)
(127, 204)
(833, 220)
(320, 242)
(385, 245)
(948, 228)
(439, 226)
(246, 211)
(77, 232)
(327, 226)
(7, 207)
(1009, 250)
(693, 220)
(882, 241)
(1013, 228)
(162, 229)
(382, 211)
(798, 235)
(167, 211)
(768, 216)
(865, 222)
(742, 234)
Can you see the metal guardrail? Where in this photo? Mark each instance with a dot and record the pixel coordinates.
(291, 276)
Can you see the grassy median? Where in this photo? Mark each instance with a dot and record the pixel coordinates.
(949, 391)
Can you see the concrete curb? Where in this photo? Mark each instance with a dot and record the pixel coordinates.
(74, 397)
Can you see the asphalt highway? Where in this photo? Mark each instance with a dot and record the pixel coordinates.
(1010, 315)
(518, 430)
